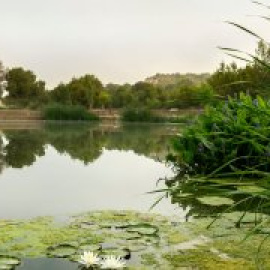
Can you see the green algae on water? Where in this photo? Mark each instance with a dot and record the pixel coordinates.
(152, 241)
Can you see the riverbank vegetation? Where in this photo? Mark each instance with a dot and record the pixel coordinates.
(156, 116)
(140, 115)
(67, 113)
(222, 161)
(230, 139)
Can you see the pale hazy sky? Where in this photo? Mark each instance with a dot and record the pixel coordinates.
(122, 40)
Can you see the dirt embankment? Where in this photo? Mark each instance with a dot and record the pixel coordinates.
(107, 114)
(13, 115)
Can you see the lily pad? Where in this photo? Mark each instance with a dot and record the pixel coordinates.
(87, 225)
(75, 257)
(121, 225)
(106, 225)
(215, 201)
(61, 251)
(135, 244)
(90, 247)
(124, 253)
(144, 229)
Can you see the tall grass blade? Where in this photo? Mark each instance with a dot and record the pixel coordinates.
(244, 29)
(260, 4)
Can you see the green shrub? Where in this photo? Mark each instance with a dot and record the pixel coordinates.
(67, 113)
(140, 115)
(231, 139)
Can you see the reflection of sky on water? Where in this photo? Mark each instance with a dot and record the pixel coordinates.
(57, 185)
(45, 264)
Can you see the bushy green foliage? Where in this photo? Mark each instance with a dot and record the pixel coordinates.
(61, 94)
(85, 91)
(232, 138)
(121, 95)
(23, 84)
(65, 112)
(189, 96)
(146, 95)
(140, 115)
(143, 94)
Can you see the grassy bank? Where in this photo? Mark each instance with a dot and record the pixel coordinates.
(140, 115)
(149, 116)
(68, 113)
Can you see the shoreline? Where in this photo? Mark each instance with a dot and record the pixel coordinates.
(104, 115)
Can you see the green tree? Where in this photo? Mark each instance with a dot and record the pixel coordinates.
(85, 91)
(23, 84)
(104, 99)
(2, 78)
(146, 95)
(121, 95)
(61, 94)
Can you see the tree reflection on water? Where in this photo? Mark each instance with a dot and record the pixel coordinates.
(81, 142)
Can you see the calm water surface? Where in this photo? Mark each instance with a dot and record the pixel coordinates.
(60, 170)
(47, 264)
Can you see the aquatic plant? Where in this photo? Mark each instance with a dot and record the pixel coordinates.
(89, 259)
(231, 139)
(223, 161)
(61, 250)
(112, 262)
(226, 153)
(105, 233)
(67, 113)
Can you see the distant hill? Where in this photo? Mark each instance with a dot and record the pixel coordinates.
(166, 80)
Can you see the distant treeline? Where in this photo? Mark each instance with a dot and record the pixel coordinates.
(165, 91)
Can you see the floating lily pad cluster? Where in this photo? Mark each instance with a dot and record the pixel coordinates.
(62, 251)
(144, 238)
(143, 229)
(126, 238)
(73, 252)
(122, 239)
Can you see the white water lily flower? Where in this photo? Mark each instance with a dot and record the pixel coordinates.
(89, 259)
(112, 262)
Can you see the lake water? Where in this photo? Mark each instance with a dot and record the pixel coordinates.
(59, 170)
(47, 264)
